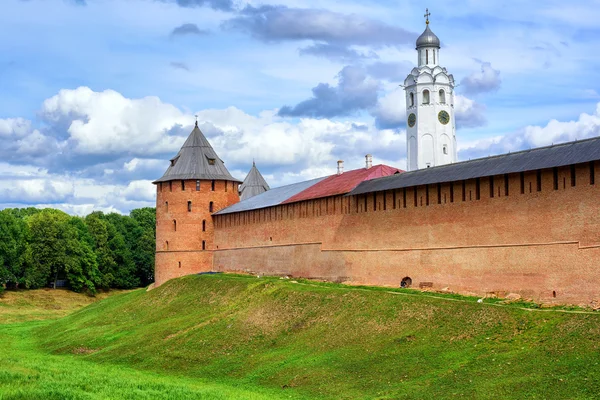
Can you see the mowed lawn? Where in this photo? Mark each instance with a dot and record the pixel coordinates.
(236, 337)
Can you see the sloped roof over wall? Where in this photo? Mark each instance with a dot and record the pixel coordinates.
(196, 160)
(253, 185)
(335, 185)
(529, 160)
(343, 183)
(269, 198)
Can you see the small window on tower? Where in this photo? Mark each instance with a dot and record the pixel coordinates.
(425, 96)
(212, 186)
(197, 185)
(412, 99)
(442, 96)
(189, 206)
(445, 149)
(211, 161)
(210, 206)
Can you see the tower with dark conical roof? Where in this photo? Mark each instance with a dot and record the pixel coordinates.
(254, 184)
(195, 185)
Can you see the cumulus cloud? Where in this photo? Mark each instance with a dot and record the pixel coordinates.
(333, 32)
(468, 113)
(355, 91)
(390, 112)
(108, 123)
(486, 80)
(188, 29)
(588, 125)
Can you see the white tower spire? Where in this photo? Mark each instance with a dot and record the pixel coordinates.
(431, 131)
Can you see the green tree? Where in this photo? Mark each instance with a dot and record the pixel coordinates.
(121, 241)
(144, 243)
(98, 229)
(13, 247)
(56, 250)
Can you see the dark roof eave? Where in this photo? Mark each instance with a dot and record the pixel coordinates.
(559, 155)
(196, 177)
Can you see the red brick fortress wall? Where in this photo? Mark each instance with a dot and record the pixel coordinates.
(184, 226)
(536, 234)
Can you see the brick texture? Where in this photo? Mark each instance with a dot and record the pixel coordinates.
(541, 239)
(184, 225)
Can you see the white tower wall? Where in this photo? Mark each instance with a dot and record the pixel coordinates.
(431, 141)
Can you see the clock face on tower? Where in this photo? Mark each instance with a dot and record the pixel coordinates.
(443, 117)
(412, 120)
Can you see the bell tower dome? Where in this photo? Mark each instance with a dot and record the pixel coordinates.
(431, 129)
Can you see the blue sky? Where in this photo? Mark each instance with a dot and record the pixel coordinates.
(97, 95)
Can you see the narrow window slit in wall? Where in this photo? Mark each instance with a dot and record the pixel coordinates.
(538, 179)
(197, 185)
(522, 177)
(179, 264)
(464, 191)
(166, 206)
(426, 195)
(212, 186)
(439, 193)
(384, 200)
(470, 195)
(491, 187)
(573, 175)
(592, 173)
(506, 184)
(415, 192)
(183, 186)
(555, 178)
(477, 189)
(170, 186)
(174, 226)
(211, 206)
(451, 192)
(225, 185)
(204, 225)
(404, 198)
(365, 205)
(530, 191)
(204, 245)
(167, 245)
(394, 198)
(375, 201)
(189, 206)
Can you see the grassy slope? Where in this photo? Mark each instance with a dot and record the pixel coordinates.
(29, 371)
(332, 341)
(42, 304)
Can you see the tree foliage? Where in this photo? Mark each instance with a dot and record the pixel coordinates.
(101, 251)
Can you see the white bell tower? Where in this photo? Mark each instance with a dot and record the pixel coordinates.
(431, 130)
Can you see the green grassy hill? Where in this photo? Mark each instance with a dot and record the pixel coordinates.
(307, 340)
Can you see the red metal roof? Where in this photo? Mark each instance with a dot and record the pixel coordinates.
(342, 184)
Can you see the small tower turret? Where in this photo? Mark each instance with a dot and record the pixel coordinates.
(254, 184)
(431, 130)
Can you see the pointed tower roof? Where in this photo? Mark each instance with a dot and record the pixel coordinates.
(254, 184)
(196, 160)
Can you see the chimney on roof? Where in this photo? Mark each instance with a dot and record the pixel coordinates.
(369, 161)
(340, 167)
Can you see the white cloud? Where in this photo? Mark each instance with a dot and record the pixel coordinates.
(486, 80)
(107, 122)
(588, 125)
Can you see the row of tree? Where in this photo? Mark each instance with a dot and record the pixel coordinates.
(39, 248)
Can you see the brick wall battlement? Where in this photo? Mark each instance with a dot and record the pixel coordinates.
(535, 233)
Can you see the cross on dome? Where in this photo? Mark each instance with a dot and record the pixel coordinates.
(427, 15)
